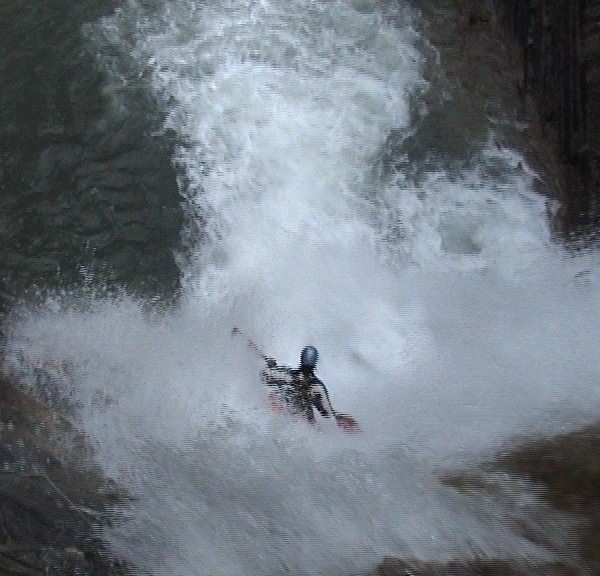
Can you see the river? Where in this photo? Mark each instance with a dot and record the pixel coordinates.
(310, 172)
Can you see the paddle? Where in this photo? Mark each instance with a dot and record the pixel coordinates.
(235, 331)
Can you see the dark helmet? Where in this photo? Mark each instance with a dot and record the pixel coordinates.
(309, 357)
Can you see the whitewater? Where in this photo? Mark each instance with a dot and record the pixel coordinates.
(447, 319)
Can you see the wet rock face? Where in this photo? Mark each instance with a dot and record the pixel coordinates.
(86, 180)
(52, 502)
(567, 469)
(560, 42)
(561, 472)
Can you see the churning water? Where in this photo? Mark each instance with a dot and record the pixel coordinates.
(447, 320)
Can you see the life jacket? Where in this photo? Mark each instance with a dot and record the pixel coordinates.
(294, 392)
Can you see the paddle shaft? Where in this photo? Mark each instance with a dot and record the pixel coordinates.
(251, 343)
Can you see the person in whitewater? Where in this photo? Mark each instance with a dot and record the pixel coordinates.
(299, 392)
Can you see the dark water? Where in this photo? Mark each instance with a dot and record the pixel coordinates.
(87, 189)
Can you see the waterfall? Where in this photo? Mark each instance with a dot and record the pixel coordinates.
(446, 319)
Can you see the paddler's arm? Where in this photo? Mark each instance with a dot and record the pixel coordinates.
(320, 398)
(274, 375)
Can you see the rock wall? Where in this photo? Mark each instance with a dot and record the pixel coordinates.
(54, 501)
(560, 43)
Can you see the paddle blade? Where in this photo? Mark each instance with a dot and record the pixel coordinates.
(347, 423)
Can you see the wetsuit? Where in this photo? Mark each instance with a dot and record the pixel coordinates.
(297, 391)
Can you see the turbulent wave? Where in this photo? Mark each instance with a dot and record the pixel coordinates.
(446, 319)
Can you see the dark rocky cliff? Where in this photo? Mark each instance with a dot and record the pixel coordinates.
(560, 44)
